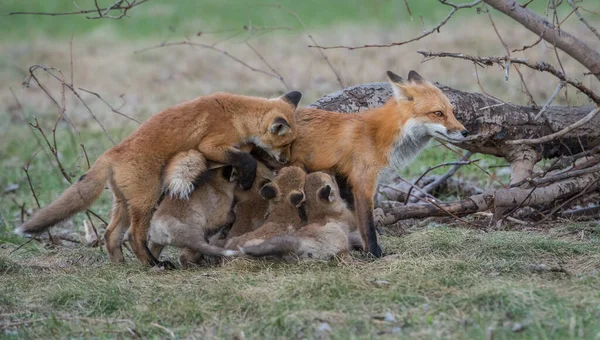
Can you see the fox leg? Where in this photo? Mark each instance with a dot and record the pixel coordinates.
(364, 193)
(119, 222)
(194, 240)
(243, 161)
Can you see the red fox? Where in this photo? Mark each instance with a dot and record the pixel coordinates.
(360, 147)
(327, 232)
(215, 125)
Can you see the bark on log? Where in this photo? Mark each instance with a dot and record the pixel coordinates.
(500, 200)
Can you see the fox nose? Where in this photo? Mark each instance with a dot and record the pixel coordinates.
(283, 160)
(464, 133)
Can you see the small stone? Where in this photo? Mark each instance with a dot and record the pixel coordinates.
(517, 327)
(389, 317)
(324, 327)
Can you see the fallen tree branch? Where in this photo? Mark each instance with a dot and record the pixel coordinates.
(500, 200)
(560, 133)
(102, 12)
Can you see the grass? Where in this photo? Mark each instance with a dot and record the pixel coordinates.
(165, 19)
(439, 283)
(436, 282)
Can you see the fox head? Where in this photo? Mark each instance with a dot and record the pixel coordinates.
(322, 195)
(429, 112)
(287, 188)
(278, 129)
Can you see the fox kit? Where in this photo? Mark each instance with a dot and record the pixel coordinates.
(185, 223)
(285, 195)
(328, 229)
(359, 147)
(214, 125)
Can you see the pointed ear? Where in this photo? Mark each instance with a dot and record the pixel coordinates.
(230, 173)
(280, 127)
(394, 78)
(326, 193)
(398, 86)
(268, 191)
(413, 76)
(292, 98)
(296, 198)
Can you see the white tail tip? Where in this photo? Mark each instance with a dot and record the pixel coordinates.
(230, 253)
(20, 231)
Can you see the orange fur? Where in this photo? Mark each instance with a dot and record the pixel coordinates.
(215, 125)
(359, 146)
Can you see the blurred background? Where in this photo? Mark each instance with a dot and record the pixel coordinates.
(164, 52)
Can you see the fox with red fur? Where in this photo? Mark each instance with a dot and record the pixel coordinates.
(362, 147)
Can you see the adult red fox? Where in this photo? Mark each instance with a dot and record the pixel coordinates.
(357, 147)
(215, 125)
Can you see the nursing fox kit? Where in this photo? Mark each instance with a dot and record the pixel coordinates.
(215, 125)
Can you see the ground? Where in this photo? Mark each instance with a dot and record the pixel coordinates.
(438, 280)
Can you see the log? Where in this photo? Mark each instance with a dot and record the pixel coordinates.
(501, 200)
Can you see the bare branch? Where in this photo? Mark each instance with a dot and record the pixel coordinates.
(550, 100)
(107, 104)
(539, 66)
(560, 133)
(268, 65)
(102, 12)
(585, 22)
(569, 44)
(455, 8)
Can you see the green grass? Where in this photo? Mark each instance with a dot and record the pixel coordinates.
(440, 283)
(175, 19)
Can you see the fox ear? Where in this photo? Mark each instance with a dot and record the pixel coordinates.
(415, 77)
(268, 191)
(230, 173)
(280, 127)
(398, 83)
(296, 198)
(292, 98)
(326, 193)
(394, 78)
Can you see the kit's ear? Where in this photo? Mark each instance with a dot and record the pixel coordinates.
(326, 193)
(296, 198)
(269, 191)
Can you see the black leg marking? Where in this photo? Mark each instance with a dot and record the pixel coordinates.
(246, 165)
(372, 237)
(345, 190)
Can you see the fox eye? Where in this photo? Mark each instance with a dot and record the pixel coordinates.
(438, 113)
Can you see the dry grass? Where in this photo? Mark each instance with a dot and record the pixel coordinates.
(159, 78)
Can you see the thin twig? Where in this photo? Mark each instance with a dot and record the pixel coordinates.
(289, 11)
(539, 66)
(107, 104)
(431, 168)
(115, 6)
(560, 133)
(550, 100)
(225, 53)
(455, 8)
(582, 19)
(268, 65)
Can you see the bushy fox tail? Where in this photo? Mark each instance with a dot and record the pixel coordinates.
(276, 246)
(78, 197)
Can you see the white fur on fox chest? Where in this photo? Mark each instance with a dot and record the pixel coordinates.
(413, 138)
